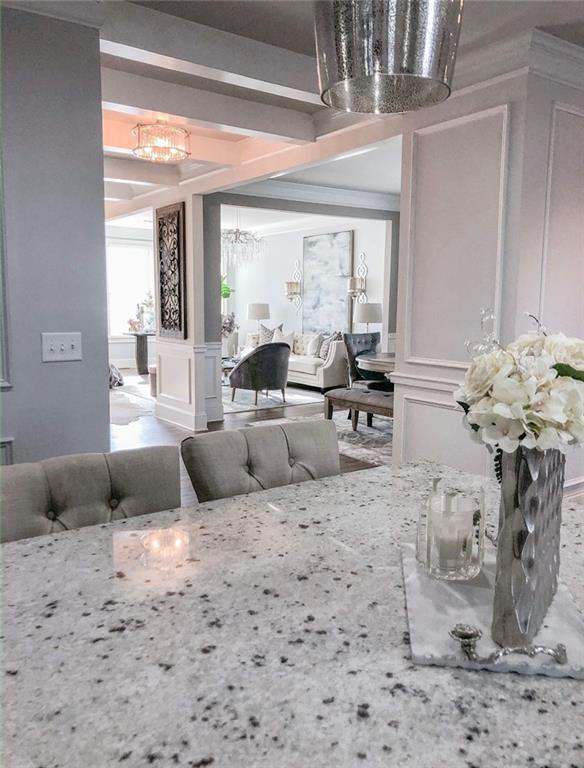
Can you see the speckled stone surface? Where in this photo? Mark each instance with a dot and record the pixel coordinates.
(283, 643)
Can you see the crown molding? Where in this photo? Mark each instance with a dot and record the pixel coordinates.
(314, 193)
(535, 52)
(556, 59)
(477, 65)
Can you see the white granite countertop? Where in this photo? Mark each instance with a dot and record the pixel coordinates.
(283, 644)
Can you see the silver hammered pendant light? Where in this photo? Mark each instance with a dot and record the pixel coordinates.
(385, 56)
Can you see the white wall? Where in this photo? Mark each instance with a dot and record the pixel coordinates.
(122, 351)
(55, 252)
(263, 281)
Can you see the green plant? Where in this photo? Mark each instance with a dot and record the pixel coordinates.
(226, 291)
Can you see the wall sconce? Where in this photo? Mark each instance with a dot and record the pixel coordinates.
(293, 288)
(357, 286)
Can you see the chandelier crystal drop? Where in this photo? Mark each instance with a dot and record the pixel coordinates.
(240, 246)
(161, 143)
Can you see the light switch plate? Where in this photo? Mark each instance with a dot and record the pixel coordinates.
(61, 347)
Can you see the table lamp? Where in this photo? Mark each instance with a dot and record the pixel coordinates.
(258, 312)
(367, 313)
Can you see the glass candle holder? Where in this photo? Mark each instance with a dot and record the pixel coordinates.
(422, 529)
(455, 534)
(165, 548)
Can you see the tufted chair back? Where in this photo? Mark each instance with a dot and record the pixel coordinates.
(357, 344)
(222, 464)
(87, 489)
(264, 368)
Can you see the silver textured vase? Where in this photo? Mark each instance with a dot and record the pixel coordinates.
(528, 547)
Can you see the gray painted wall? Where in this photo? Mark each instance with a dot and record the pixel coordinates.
(54, 234)
(212, 244)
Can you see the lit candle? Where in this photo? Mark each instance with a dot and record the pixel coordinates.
(166, 548)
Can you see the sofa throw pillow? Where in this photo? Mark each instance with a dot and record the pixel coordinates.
(279, 336)
(326, 343)
(313, 347)
(267, 334)
(301, 342)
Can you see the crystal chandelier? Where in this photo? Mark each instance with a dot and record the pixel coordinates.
(161, 143)
(240, 246)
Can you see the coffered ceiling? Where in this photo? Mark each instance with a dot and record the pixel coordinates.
(241, 75)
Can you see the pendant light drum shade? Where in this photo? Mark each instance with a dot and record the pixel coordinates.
(386, 56)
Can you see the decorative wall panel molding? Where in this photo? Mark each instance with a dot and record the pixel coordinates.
(454, 251)
(562, 265)
(170, 250)
(431, 428)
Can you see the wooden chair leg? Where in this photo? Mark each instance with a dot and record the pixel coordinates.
(267, 393)
(233, 394)
(369, 419)
(349, 414)
(256, 398)
(328, 408)
(283, 395)
(355, 419)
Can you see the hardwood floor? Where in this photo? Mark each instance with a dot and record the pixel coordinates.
(148, 430)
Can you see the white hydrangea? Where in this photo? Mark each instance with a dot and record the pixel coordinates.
(515, 396)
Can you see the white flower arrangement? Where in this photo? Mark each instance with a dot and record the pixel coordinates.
(530, 393)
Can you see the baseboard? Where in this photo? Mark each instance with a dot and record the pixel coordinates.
(181, 418)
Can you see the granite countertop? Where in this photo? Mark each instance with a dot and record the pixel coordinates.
(283, 643)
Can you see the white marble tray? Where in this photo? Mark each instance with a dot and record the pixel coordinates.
(434, 607)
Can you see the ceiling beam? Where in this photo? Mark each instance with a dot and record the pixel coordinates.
(118, 137)
(139, 173)
(161, 40)
(138, 95)
(115, 190)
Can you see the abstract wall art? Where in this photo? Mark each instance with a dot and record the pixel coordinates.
(328, 262)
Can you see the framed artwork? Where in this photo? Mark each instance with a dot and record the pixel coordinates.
(170, 253)
(328, 262)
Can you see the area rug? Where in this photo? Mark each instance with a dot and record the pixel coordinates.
(244, 399)
(370, 444)
(126, 408)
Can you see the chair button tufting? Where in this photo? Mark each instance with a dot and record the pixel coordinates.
(113, 503)
(51, 514)
(291, 461)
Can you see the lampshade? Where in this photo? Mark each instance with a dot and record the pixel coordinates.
(258, 311)
(384, 56)
(367, 313)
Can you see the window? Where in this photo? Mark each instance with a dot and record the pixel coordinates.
(130, 280)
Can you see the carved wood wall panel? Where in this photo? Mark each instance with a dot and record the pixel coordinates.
(170, 238)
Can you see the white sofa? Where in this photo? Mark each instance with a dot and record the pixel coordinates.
(313, 371)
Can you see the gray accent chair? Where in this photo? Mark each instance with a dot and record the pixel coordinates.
(263, 369)
(232, 462)
(358, 344)
(87, 489)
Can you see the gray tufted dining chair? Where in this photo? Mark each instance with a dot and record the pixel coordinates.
(263, 369)
(358, 344)
(86, 489)
(228, 463)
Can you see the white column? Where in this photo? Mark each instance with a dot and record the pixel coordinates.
(459, 198)
(491, 215)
